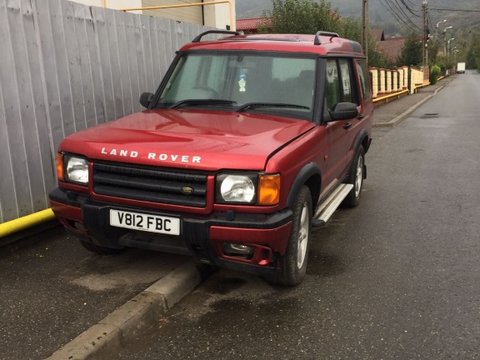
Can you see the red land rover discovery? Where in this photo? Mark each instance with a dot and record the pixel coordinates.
(248, 141)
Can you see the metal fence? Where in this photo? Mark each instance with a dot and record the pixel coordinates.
(65, 67)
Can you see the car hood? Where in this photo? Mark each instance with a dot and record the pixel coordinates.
(205, 140)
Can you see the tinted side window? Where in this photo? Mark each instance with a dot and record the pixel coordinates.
(340, 84)
(364, 79)
(332, 91)
(348, 93)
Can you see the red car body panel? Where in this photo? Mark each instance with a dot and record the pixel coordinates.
(294, 43)
(209, 140)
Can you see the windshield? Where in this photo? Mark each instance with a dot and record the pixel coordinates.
(241, 81)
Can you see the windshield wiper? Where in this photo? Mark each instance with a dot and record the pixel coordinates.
(199, 102)
(265, 104)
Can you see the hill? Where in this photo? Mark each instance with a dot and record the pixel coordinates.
(380, 14)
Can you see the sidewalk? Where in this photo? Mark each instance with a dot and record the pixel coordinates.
(392, 113)
(53, 289)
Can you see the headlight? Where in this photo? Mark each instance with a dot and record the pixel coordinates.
(236, 188)
(76, 169)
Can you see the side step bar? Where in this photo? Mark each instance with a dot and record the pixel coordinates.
(326, 209)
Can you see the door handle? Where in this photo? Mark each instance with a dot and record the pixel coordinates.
(347, 125)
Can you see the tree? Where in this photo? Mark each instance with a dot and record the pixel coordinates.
(352, 29)
(303, 17)
(473, 53)
(411, 52)
(308, 17)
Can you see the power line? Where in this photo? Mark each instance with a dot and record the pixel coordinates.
(409, 8)
(405, 19)
(457, 10)
(399, 7)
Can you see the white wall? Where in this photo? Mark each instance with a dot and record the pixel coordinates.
(217, 16)
(113, 4)
(191, 14)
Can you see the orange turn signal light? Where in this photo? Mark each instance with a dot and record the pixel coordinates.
(269, 189)
(59, 166)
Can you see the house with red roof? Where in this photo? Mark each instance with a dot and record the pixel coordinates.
(252, 25)
(391, 48)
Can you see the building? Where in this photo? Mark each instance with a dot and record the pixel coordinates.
(221, 15)
(391, 48)
(252, 25)
(377, 34)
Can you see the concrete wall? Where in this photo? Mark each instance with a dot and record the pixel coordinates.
(189, 14)
(65, 67)
(217, 16)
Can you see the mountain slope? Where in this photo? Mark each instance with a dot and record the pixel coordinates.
(380, 14)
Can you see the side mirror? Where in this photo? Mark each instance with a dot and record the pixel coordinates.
(344, 111)
(145, 99)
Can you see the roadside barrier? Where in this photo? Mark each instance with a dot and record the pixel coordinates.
(387, 98)
(390, 83)
(12, 226)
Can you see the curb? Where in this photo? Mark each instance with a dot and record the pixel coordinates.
(395, 121)
(105, 339)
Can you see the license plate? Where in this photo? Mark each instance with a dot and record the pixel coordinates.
(145, 222)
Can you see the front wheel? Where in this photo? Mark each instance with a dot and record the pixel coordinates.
(356, 176)
(293, 265)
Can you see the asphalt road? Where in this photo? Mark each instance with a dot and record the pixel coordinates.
(396, 278)
(52, 289)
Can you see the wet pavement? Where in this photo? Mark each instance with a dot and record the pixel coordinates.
(385, 113)
(52, 289)
(395, 278)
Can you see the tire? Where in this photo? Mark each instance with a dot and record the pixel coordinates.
(100, 250)
(292, 266)
(356, 177)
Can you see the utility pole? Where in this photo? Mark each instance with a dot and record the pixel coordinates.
(365, 27)
(425, 33)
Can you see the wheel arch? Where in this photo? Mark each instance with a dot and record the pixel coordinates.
(309, 176)
(362, 139)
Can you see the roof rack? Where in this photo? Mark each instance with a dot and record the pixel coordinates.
(200, 36)
(323, 33)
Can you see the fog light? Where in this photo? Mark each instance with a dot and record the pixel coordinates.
(237, 249)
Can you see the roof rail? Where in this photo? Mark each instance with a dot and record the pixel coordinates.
(323, 33)
(200, 36)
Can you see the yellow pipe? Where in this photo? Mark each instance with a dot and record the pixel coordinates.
(9, 227)
(389, 96)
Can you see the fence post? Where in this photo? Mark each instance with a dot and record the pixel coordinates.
(410, 80)
(374, 77)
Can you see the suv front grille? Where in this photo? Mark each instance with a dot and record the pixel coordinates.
(150, 184)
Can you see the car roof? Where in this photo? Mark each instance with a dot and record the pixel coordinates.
(295, 43)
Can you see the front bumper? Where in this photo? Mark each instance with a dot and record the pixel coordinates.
(202, 236)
